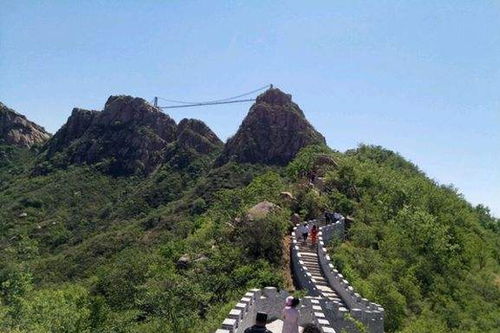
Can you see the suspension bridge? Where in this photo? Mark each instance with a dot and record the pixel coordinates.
(174, 104)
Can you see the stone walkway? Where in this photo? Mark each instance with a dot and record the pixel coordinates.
(310, 258)
(277, 325)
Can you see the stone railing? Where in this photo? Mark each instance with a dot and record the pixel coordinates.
(303, 278)
(272, 302)
(329, 314)
(370, 314)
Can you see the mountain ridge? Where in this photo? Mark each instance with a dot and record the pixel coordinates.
(16, 129)
(131, 136)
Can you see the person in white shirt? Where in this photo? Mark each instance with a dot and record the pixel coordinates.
(291, 317)
(304, 230)
(336, 216)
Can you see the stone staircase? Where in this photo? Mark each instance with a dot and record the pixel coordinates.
(332, 303)
(309, 256)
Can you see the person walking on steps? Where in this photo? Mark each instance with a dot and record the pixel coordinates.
(314, 234)
(304, 231)
(260, 324)
(291, 317)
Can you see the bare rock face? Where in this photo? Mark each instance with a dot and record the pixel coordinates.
(75, 127)
(16, 130)
(128, 137)
(195, 134)
(194, 140)
(272, 133)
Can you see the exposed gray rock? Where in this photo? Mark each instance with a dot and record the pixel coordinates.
(272, 133)
(287, 196)
(16, 130)
(128, 137)
(184, 262)
(261, 210)
(196, 135)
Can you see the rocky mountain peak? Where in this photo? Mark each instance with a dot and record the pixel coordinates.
(17, 130)
(128, 107)
(273, 132)
(127, 137)
(274, 96)
(195, 134)
(74, 128)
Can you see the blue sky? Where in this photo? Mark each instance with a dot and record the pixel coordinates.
(418, 77)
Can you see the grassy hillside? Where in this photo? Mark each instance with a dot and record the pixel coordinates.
(416, 247)
(86, 252)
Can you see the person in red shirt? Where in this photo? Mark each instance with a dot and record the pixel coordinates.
(314, 235)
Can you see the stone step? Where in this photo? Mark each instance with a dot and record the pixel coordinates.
(310, 253)
(315, 267)
(310, 260)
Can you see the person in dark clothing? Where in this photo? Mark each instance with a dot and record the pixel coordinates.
(260, 324)
(311, 328)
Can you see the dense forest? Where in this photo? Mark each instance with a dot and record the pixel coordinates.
(86, 251)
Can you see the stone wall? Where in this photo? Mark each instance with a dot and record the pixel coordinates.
(303, 278)
(272, 302)
(330, 315)
(370, 314)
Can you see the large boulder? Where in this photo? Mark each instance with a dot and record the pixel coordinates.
(261, 210)
(272, 133)
(183, 262)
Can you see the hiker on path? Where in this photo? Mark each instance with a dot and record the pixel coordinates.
(327, 217)
(304, 231)
(260, 324)
(314, 234)
(291, 317)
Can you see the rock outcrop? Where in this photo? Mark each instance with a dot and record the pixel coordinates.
(75, 127)
(194, 140)
(16, 130)
(272, 133)
(130, 136)
(261, 210)
(195, 134)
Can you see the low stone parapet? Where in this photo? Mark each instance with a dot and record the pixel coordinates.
(272, 302)
(303, 278)
(330, 314)
(370, 314)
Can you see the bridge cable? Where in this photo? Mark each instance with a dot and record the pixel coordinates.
(212, 102)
